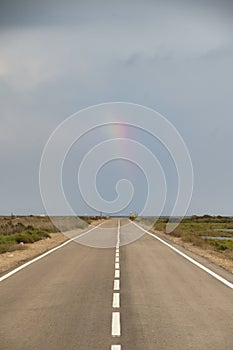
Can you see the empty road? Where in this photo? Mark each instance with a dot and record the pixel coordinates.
(142, 295)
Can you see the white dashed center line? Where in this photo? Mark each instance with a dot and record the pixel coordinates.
(116, 324)
(116, 317)
(117, 273)
(116, 300)
(116, 285)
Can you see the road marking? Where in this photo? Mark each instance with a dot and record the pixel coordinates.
(213, 274)
(118, 227)
(118, 234)
(116, 300)
(21, 267)
(117, 273)
(116, 285)
(116, 324)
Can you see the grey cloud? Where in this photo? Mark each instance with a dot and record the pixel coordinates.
(25, 13)
(173, 56)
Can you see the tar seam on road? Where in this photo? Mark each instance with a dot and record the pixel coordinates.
(116, 317)
(45, 254)
(213, 274)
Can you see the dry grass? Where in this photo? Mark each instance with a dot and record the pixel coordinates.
(191, 230)
(20, 230)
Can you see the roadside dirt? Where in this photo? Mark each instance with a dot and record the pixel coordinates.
(10, 260)
(212, 256)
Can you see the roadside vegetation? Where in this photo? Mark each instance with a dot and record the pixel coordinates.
(196, 229)
(15, 232)
(14, 236)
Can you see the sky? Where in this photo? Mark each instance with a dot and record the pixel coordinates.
(58, 57)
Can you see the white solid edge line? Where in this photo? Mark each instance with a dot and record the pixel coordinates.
(116, 300)
(116, 347)
(117, 273)
(116, 324)
(213, 274)
(45, 254)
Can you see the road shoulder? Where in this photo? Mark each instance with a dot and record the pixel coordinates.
(219, 265)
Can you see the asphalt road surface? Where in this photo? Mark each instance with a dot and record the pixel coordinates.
(138, 296)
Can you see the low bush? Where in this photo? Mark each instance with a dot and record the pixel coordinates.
(9, 242)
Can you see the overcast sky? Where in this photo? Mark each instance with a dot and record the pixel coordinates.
(57, 57)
